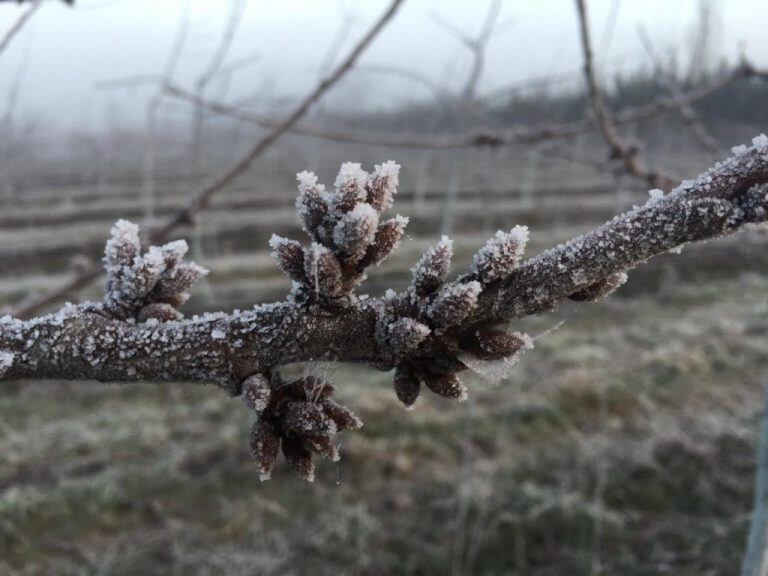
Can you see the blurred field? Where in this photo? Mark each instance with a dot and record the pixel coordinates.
(623, 444)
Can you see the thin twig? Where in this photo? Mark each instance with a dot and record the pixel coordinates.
(18, 25)
(686, 111)
(620, 150)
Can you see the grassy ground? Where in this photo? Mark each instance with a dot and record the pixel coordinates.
(624, 444)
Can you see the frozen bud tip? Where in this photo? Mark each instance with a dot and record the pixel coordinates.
(289, 255)
(356, 230)
(454, 303)
(432, 268)
(6, 361)
(500, 255)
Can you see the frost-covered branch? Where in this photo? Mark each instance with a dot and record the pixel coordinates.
(428, 333)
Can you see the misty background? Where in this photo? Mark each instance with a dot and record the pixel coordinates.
(57, 64)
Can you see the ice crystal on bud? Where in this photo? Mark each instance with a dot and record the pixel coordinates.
(454, 303)
(301, 416)
(323, 271)
(344, 418)
(494, 344)
(760, 142)
(138, 284)
(600, 289)
(432, 268)
(179, 279)
(382, 185)
(386, 241)
(447, 386)
(123, 245)
(256, 392)
(290, 257)
(6, 361)
(500, 255)
(356, 230)
(407, 385)
(405, 335)
(350, 187)
(311, 204)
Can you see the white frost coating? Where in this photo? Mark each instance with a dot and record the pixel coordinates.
(433, 267)
(307, 180)
(655, 195)
(760, 142)
(383, 184)
(739, 150)
(6, 361)
(175, 251)
(217, 334)
(356, 229)
(454, 303)
(351, 176)
(501, 254)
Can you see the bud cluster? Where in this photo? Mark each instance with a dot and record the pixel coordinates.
(297, 417)
(346, 232)
(423, 330)
(150, 285)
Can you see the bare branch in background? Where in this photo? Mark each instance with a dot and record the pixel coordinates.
(202, 198)
(207, 75)
(626, 153)
(476, 45)
(522, 135)
(686, 111)
(430, 332)
(19, 24)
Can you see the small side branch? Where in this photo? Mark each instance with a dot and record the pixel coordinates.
(620, 150)
(19, 24)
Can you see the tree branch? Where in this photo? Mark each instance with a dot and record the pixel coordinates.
(720, 201)
(19, 24)
(429, 333)
(620, 150)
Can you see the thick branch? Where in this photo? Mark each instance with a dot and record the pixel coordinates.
(80, 342)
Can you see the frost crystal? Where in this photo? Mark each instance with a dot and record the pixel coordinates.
(387, 240)
(432, 268)
(454, 303)
(138, 284)
(382, 185)
(6, 361)
(356, 230)
(500, 255)
(760, 142)
(323, 271)
(290, 257)
(447, 386)
(405, 335)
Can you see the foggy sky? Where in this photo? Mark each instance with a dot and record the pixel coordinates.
(63, 52)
